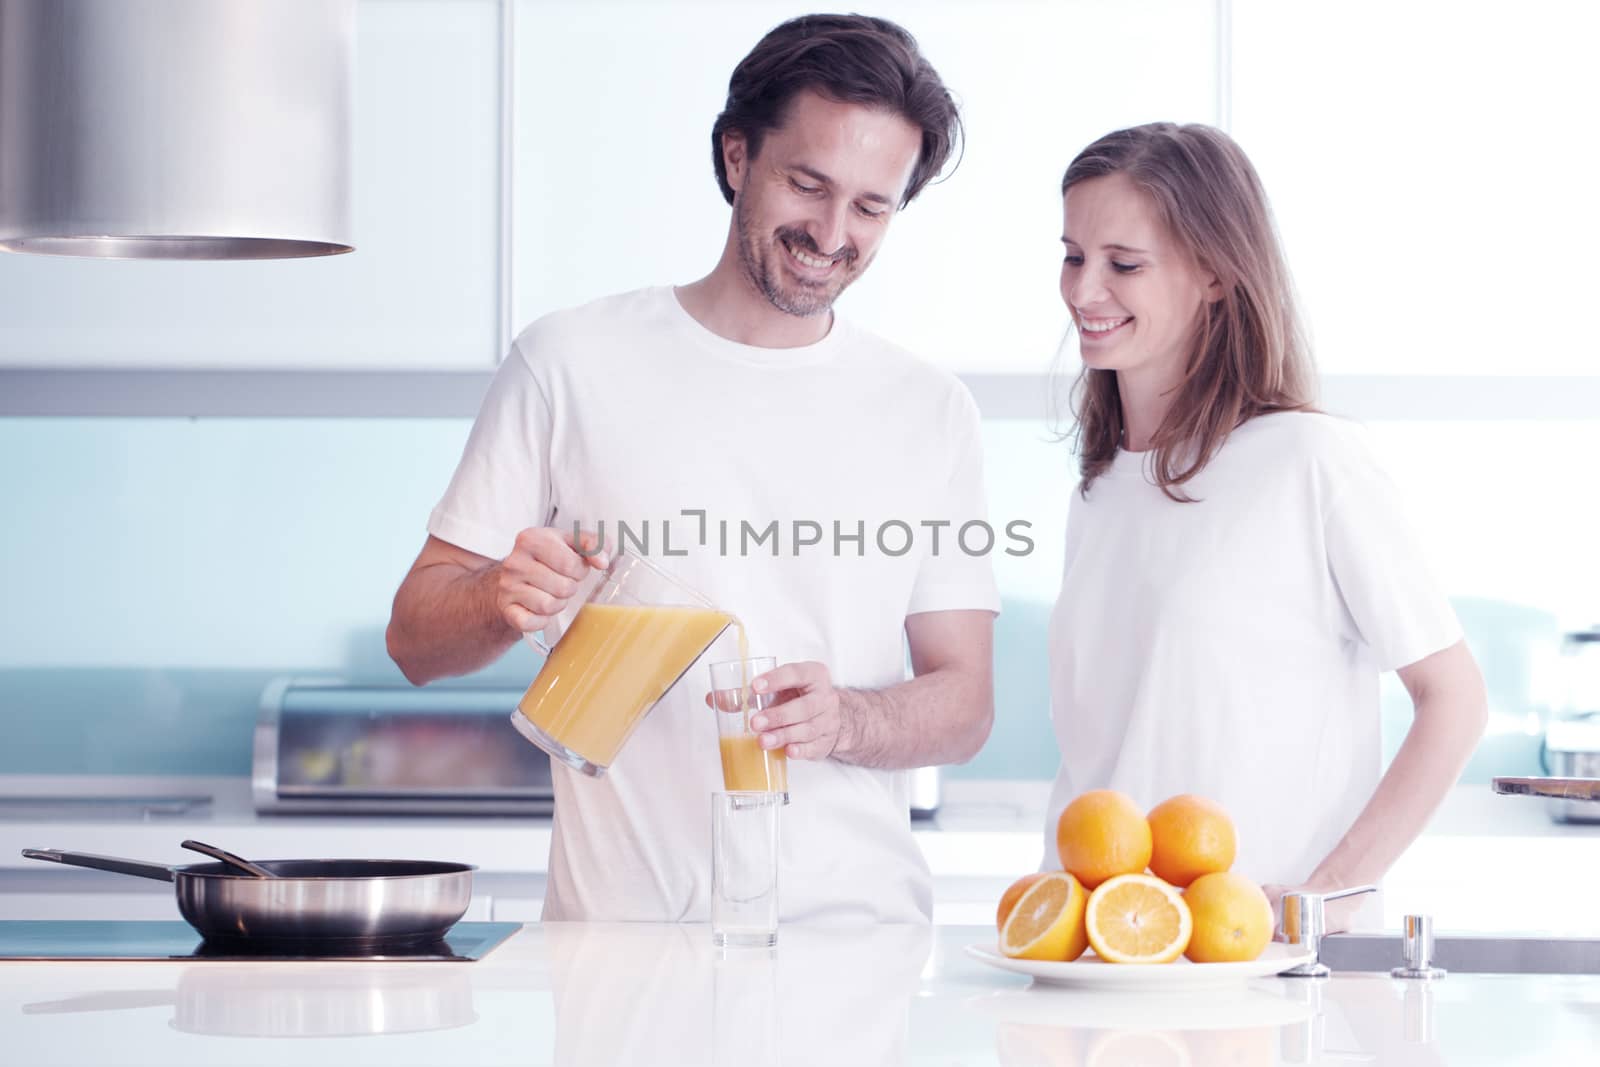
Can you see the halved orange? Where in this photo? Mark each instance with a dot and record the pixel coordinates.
(1047, 922)
(1137, 918)
(1013, 893)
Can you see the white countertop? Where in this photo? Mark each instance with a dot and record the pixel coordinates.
(603, 994)
(1486, 863)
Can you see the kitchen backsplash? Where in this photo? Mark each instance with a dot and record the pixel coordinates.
(159, 571)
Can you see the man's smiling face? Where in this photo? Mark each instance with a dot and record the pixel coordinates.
(812, 208)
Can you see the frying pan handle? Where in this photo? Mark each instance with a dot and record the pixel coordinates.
(139, 868)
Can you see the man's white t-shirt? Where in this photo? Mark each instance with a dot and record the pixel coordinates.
(1232, 647)
(628, 410)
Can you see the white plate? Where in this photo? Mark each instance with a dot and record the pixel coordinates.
(1091, 972)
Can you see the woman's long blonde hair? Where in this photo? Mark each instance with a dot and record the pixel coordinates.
(1250, 355)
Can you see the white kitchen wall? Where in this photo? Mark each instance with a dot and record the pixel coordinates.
(614, 190)
(1433, 169)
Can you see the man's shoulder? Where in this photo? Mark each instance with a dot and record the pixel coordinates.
(570, 331)
(908, 369)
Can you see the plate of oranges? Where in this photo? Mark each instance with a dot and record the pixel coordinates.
(1145, 900)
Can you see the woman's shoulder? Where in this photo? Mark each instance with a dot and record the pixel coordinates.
(1335, 452)
(1329, 448)
(1311, 435)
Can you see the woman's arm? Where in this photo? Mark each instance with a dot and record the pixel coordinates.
(1451, 708)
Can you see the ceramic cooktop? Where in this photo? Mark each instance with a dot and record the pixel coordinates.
(73, 939)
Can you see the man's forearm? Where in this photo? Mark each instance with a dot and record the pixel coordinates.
(445, 623)
(940, 717)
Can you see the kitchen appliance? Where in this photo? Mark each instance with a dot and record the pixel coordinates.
(318, 901)
(926, 792)
(324, 746)
(179, 129)
(78, 939)
(1570, 752)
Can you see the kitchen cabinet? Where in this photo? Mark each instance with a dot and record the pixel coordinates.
(421, 290)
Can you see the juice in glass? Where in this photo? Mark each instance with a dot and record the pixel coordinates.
(746, 766)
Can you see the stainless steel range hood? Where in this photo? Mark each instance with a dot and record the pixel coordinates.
(176, 129)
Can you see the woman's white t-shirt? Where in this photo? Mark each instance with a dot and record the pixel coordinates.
(1232, 647)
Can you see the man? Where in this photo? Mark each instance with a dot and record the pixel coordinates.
(733, 406)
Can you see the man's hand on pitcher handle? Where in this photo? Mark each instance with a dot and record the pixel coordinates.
(535, 581)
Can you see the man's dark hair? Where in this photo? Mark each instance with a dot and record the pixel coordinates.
(854, 59)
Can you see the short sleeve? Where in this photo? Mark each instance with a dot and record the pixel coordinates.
(1399, 610)
(950, 577)
(502, 484)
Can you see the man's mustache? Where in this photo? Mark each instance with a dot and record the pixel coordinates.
(802, 240)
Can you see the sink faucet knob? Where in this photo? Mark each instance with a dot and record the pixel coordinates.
(1305, 922)
(1417, 949)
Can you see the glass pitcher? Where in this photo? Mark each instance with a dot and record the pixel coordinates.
(634, 636)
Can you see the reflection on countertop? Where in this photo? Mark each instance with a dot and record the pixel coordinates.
(623, 994)
(278, 1001)
(822, 996)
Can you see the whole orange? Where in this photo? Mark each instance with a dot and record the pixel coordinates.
(1013, 893)
(1232, 918)
(1190, 836)
(1102, 834)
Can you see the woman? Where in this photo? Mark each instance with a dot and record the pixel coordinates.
(1237, 572)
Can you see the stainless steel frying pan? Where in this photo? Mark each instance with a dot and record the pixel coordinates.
(306, 900)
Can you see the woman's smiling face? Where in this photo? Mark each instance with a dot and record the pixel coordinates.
(1134, 292)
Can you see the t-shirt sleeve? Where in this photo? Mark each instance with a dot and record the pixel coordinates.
(1399, 610)
(502, 484)
(951, 578)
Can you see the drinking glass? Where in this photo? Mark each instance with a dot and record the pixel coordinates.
(746, 766)
(744, 868)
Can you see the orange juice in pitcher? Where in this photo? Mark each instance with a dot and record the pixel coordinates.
(631, 641)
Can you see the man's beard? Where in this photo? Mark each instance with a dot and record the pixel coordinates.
(761, 266)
